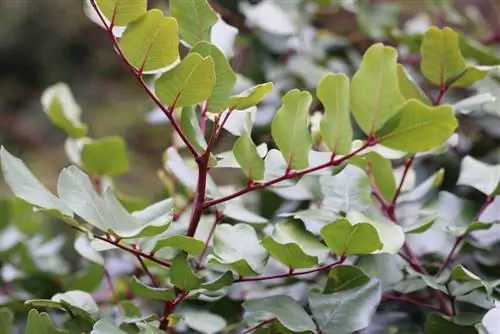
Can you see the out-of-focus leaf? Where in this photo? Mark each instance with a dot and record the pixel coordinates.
(225, 79)
(104, 326)
(188, 83)
(105, 156)
(479, 175)
(60, 105)
(290, 129)
(87, 280)
(40, 323)
(336, 129)
(250, 97)
(195, 18)
(6, 319)
(204, 322)
(375, 94)
(82, 246)
(151, 42)
(285, 309)
(438, 324)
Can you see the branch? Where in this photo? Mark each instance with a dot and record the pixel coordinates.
(291, 273)
(290, 175)
(410, 300)
(218, 217)
(112, 288)
(147, 272)
(407, 165)
(260, 324)
(138, 74)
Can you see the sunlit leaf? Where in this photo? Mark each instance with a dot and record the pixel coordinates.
(104, 326)
(121, 12)
(343, 238)
(195, 18)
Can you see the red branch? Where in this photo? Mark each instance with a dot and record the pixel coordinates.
(410, 300)
(291, 273)
(259, 325)
(218, 217)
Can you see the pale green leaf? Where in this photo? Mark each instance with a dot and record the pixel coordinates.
(78, 299)
(290, 131)
(121, 12)
(223, 280)
(285, 309)
(409, 88)
(479, 175)
(151, 42)
(375, 95)
(290, 254)
(105, 156)
(225, 78)
(188, 83)
(418, 128)
(60, 105)
(26, 186)
(245, 152)
(420, 227)
(139, 289)
(40, 323)
(182, 275)
(204, 321)
(189, 245)
(344, 238)
(336, 129)
(6, 319)
(250, 97)
(191, 127)
(346, 311)
(195, 18)
(82, 246)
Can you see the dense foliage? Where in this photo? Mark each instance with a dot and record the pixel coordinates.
(374, 230)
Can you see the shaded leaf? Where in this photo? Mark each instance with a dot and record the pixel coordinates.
(409, 88)
(245, 152)
(40, 323)
(139, 289)
(438, 324)
(105, 156)
(82, 246)
(191, 128)
(285, 309)
(344, 277)
(290, 131)
(479, 175)
(6, 319)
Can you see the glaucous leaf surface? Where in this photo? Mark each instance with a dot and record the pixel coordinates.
(479, 175)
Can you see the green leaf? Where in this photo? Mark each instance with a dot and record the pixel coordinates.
(82, 246)
(223, 280)
(188, 83)
(250, 97)
(290, 129)
(140, 289)
(245, 152)
(104, 326)
(375, 95)
(285, 309)
(195, 18)
(75, 302)
(418, 128)
(189, 245)
(6, 319)
(345, 277)
(205, 322)
(60, 105)
(420, 227)
(151, 42)
(479, 175)
(346, 311)
(105, 156)
(438, 324)
(182, 275)
(228, 248)
(335, 127)
(88, 279)
(121, 12)
(191, 128)
(343, 238)
(40, 323)
(380, 170)
(409, 88)
(26, 186)
(225, 78)
(148, 328)
(289, 254)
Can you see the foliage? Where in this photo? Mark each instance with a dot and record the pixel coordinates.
(364, 233)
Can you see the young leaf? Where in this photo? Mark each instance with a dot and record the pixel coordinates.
(336, 129)
(188, 83)
(346, 311)
(121, 12)
(418, 128)
(285, 309)
(195, 18)
(225, 79)
(189, 245)
(26, 186)
(151, 42)
(409, 88)
(479, 175)
(239, 247)
(182, 275)
(40, 323)
(248, 158)
(191, 128)
(375, 95)
(289, 128)
(345, 278)
(105, 156)
(250, 97)
(60, 105)
(140, 289)
(343, 238)
(289, 254)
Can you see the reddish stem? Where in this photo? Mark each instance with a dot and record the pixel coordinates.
(147, 272)
(112, 288)
(407, 165)
(218, 217)
(410, 300)
(291, 273)
(259, 325)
